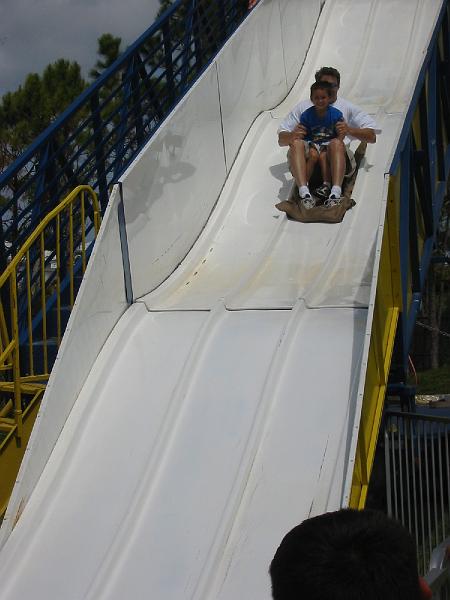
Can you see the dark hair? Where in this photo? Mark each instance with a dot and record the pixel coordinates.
(321, 85)
(346, 555)
(328, 71)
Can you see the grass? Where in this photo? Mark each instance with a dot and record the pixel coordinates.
(434, 381)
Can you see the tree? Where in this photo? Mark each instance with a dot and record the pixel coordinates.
(62, 83)
(431, 348)
(437, 298)
(24, 114)
(108, 51)
(110, 94)
(22, 117)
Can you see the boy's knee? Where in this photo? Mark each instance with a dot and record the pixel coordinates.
(336, 145)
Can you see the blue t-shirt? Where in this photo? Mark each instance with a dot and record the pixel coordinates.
(320, 129)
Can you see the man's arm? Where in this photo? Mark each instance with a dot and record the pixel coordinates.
(286, 138)
(290, 128)
(361, 125)
(364, 134)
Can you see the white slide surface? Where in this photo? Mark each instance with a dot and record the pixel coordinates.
(221, 408)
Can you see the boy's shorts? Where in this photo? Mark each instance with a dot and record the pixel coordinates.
(350, 162)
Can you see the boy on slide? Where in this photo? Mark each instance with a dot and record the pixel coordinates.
(319, 122)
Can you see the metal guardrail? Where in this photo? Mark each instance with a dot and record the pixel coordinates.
(419, 171)
(417, 464)
(97, 137)
(41, 278)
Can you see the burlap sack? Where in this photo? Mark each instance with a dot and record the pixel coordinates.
(320, 214)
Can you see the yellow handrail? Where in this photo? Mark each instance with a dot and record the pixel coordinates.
(46, 220)
(65, 236)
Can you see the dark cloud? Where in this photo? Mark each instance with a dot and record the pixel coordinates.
(34, 33)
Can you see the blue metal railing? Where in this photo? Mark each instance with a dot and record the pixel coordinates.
(97, 137)
(422, 161)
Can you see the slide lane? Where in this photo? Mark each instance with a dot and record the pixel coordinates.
(198, 448)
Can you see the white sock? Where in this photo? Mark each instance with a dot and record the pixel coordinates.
(336, 191)
(303, 190)
(327, 183)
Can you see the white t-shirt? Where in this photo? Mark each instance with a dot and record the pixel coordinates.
(353, 115)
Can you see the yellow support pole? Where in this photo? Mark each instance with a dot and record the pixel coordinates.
(6, 409)
(16, 357)
(58, 278)
(43, 301)
(83, 234)
(29, 315)
(385, 318)
(72, 299)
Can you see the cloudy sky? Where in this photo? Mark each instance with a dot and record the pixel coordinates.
(34, 33)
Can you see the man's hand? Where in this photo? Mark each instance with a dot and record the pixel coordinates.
(286, 138)
(363, 135)
(299, 132)
(342, 129)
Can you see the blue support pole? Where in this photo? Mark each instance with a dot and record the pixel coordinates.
(405, 177)
(98, 150)
(432, 121)
(168, 62)
(186, 54)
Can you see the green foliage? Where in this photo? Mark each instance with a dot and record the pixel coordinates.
(28, 111)
(62, 83)
(21, 116)
(25, 113)
(164, 5)
(431, 347)
(108, 51)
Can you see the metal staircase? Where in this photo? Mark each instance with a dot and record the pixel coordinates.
(38, 290)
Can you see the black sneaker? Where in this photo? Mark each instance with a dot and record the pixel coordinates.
(323, 192)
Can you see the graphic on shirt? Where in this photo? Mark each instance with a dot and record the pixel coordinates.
(321, 130)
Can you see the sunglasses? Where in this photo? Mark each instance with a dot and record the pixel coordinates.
(332, 85)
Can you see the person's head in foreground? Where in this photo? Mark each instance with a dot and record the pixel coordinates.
(347, 555)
